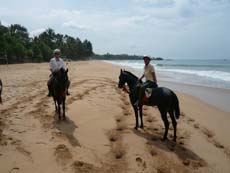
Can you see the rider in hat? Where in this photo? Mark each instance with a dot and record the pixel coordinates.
(150, 76)
(56, 63)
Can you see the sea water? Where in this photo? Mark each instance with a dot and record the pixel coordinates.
(204, 72)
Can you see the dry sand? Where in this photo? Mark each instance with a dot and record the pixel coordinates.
(98, 134)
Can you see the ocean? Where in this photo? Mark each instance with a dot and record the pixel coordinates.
(202, 72)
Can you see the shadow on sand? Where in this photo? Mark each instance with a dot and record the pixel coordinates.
(155, 139)
(66, 127)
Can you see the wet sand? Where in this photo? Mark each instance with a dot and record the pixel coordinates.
(217, 97)
(98, 135)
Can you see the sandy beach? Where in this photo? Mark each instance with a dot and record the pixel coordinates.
(98, 135)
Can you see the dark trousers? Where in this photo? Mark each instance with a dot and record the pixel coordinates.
(149, 84)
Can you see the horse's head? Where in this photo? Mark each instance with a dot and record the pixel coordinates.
(127, 77)
(122, 79)
(63, 78)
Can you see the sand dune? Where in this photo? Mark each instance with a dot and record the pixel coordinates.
(98, 135)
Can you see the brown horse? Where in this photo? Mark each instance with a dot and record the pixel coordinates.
(59, 90)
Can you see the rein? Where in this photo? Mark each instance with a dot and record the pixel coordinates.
(125, 89)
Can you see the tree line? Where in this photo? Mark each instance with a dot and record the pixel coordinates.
(19, 47)
(109, 56)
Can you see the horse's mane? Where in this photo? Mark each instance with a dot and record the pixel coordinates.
(131, 74)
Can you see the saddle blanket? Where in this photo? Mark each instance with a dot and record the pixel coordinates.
(148, 92)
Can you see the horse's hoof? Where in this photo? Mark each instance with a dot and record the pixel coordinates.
(142, 126)
(136, 128)
(174, 139)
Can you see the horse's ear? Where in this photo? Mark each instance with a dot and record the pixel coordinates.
(121, 71)
(67, 70)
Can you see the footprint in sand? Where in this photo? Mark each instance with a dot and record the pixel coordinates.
(79, 166)
(153, 152)
(62, 154)
(194, 163)
(15, 169)
(196, 126)
(207, 132)
(141, 163)
(163, 169)
(182, 114)
(218, 144)
(23, 151)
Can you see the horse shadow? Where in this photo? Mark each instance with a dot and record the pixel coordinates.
(155, 139)
(66, 127)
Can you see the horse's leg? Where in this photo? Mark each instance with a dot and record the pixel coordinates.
(63, 108)
(166, 123)
(136, 116)
(59, 111)
(55, 104)
(174, 124)
(140, 113)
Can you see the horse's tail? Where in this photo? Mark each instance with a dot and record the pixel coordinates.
(176, 106)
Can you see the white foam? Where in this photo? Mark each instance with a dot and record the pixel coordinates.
(224, 76)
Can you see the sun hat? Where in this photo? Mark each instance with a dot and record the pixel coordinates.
(57, 51)
(146, 56)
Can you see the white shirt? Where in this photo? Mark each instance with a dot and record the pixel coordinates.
(56, 65)
(149, 69)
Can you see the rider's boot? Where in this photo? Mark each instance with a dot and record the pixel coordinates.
(136, 103)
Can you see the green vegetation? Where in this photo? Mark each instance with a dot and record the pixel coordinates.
(19, 47)
(109, 56)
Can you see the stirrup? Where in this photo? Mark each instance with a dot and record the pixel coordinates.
(136, 103)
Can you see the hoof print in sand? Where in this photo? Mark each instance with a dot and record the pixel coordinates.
(141, 163)
(62, 153)
(15, 169)
(195, 164)
(79, 166)
(163, 169)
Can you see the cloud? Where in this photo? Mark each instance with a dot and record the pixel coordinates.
(62, 14)
(73, 25)
(4, 23)
(143, 26)
(156, 3)
(36, 32)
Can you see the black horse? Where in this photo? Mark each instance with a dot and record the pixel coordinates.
(1, 91)
(59, 90)
(165, 99)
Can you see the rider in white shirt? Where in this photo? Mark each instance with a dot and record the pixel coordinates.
(150, 76)
(56, 63)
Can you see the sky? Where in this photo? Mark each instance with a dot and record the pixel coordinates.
(159, 28)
